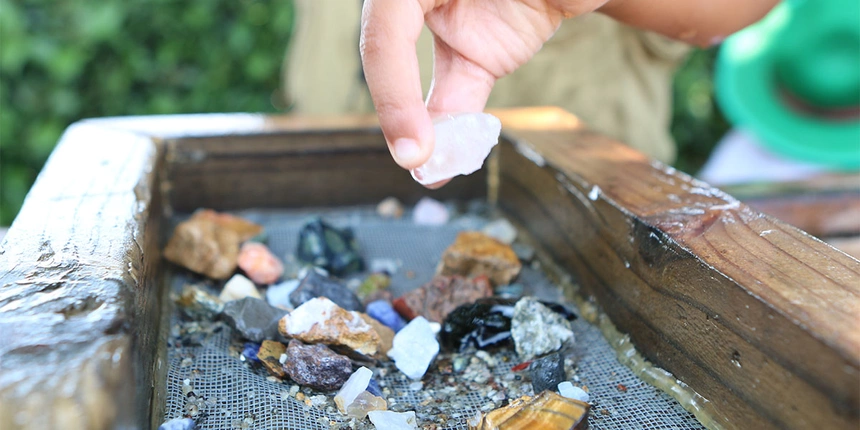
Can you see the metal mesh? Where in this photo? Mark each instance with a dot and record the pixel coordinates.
(227, 392)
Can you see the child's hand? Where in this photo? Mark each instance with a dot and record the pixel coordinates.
(476, 42)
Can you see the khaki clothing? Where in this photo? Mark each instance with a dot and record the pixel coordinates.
(616, 78)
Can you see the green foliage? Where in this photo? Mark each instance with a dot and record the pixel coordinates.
(697, 123)
(61, 61)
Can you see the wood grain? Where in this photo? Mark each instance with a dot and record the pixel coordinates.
(77, 288)
(759, 317)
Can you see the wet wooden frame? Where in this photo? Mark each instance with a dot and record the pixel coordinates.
(758, 317)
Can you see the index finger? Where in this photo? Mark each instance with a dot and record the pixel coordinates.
(389, 32)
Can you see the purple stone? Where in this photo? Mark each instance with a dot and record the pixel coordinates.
(382, 311)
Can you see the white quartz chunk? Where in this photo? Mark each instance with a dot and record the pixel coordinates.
(415, 347)
(353, 386)
(463, 142)
(567, 389)
(387, 420)
(238, 287)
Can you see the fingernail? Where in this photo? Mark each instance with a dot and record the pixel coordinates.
(406, 149)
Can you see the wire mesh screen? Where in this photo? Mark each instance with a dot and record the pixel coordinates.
(210, 381)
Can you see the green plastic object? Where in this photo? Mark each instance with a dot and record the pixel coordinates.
(804, 52)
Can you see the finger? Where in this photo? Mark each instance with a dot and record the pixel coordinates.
(389, 31)
(459, 85)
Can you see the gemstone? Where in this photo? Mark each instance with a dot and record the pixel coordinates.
(501, 230)
(259, 263)
(547, 372)
(436, 299)
(415, 347)
(474, 254)
(429, 212)
(567, 389)
(333, 249)
(355, 385)
(320, 320)
(462, 144)
(315, 285)
(238, 287)
(364, 403)
(382, 311)
(481, 324)
(254, 319)
(316, 366)
(387, 420)
(390, 207)
(270, 355)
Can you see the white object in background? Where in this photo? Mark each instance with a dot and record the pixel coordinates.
(238, 287)
(463, 142)
(567, 389)
(429, 212)
(740, 158)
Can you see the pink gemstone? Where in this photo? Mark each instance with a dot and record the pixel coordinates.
(259, 263)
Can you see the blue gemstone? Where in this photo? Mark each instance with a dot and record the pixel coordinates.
(382, 311)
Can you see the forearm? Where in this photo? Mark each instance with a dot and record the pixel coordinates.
(700, 22)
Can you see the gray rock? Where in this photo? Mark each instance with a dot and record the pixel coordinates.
(253, 318)
(315, 285)
(547, 372)
(316, 366)
(537, 330)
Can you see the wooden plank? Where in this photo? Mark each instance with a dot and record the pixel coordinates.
(78, 298)
(759, 317)
(292, 169)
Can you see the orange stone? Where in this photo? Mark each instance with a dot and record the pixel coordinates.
(270, 355)
(475, 254)
(259, 263)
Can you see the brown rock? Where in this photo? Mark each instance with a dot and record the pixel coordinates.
(547, 410)
(386, 335)
(259, 263)
(436, 299)
(475, 254)
(317, 366)
(270, 355)
(319, 320)
(243, 228)
(208, 243)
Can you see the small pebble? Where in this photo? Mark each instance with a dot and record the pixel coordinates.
(390, 207)
(238, 287)
(278, 295)
(501, 230)
(567, 389)
(430, 212)
(179, 424)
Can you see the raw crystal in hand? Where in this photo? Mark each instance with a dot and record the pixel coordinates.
(462, 143)
(414, 349)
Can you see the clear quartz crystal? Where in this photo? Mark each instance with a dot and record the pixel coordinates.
(387, 420)
(354, 386)
(463, 142)
(364, 403)
(415, 347)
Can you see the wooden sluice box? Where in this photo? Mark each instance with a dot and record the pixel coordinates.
(759, 318)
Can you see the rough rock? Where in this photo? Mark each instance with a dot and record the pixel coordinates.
(372, 285)
(429, 212)
(270, 355)
(547, 372)
(386, 335)
(320, 320)
(567, 389)
(316, 366)
(253, 318)
(278, 295)
(463, 142)
(389, 266)
(238, 287)
(436, 299)
(204, 247)
(390, 207)
(474, 254)
(382, 311)
(387, 420)
(333, 249)
(501, 230)
(355, 385)
(546, 410)
(259, 263)
(537, 330)
(414, 348)
(315, 285)
(243, 228)
(483, 324)
(197, 304)
(364, 403)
